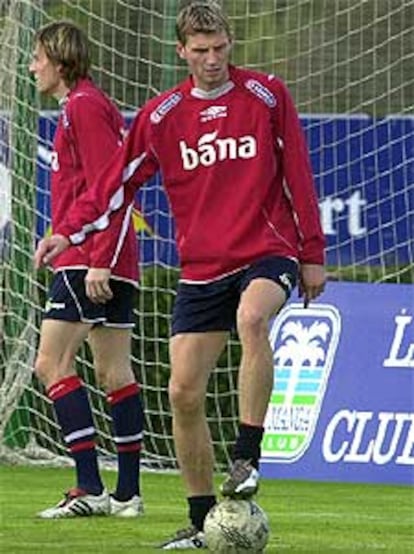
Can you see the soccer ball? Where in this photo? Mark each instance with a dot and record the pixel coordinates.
(236, 527)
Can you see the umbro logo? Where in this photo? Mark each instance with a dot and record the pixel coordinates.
(286, 280)
(213, 112)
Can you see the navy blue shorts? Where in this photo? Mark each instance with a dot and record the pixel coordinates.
(67, 301)
(213, 306)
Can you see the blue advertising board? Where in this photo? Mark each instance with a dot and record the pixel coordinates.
(364, 170)
(342, 406)
(364, 174)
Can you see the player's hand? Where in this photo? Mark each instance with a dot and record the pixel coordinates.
(48, 248)
(311, 282)
(97, 285)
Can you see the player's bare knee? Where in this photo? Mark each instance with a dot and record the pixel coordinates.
(50, 368)
(42, 368)
(183, 398)
(251, 322)
(47, 370)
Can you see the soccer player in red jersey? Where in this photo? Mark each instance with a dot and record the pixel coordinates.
(237, 173)
(89, 130)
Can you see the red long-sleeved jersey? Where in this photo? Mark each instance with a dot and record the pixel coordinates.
(89, 131)
(236, 170)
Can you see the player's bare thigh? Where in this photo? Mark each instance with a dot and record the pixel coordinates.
(111, 350)
(193, 356)
(59, 342)
(261, 300)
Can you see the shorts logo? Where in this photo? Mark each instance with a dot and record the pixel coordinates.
(286, 280)
(304, 343)
(50, 305)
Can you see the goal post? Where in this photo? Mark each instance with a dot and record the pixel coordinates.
(348, 65)
(20, 120)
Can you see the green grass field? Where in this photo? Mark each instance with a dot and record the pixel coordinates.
(305, 517)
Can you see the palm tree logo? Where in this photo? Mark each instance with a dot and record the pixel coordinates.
(304, 343)
(301, 345)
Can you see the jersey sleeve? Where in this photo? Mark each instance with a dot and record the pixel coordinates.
(113, 187)
(96, 128)
(298, 178)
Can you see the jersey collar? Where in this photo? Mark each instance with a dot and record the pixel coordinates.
(212, 94)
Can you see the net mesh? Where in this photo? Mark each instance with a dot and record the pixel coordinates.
(348, 65)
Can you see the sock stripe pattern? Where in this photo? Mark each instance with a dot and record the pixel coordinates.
(116, 396)
(86, 445)
(73, 413)
(127, 421)
(63, 387)
(127, 418)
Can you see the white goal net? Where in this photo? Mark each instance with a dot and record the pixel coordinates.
(349, 65)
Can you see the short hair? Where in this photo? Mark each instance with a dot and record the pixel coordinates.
(201, 17)
(67, 45)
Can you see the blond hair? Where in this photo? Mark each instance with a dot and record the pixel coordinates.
(201, 17)
(65, 44)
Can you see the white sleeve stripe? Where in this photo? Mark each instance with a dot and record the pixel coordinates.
(124, 230)
(132, 167)
(116, 200)
(115, 203)
(102, 222)
(295, 216)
